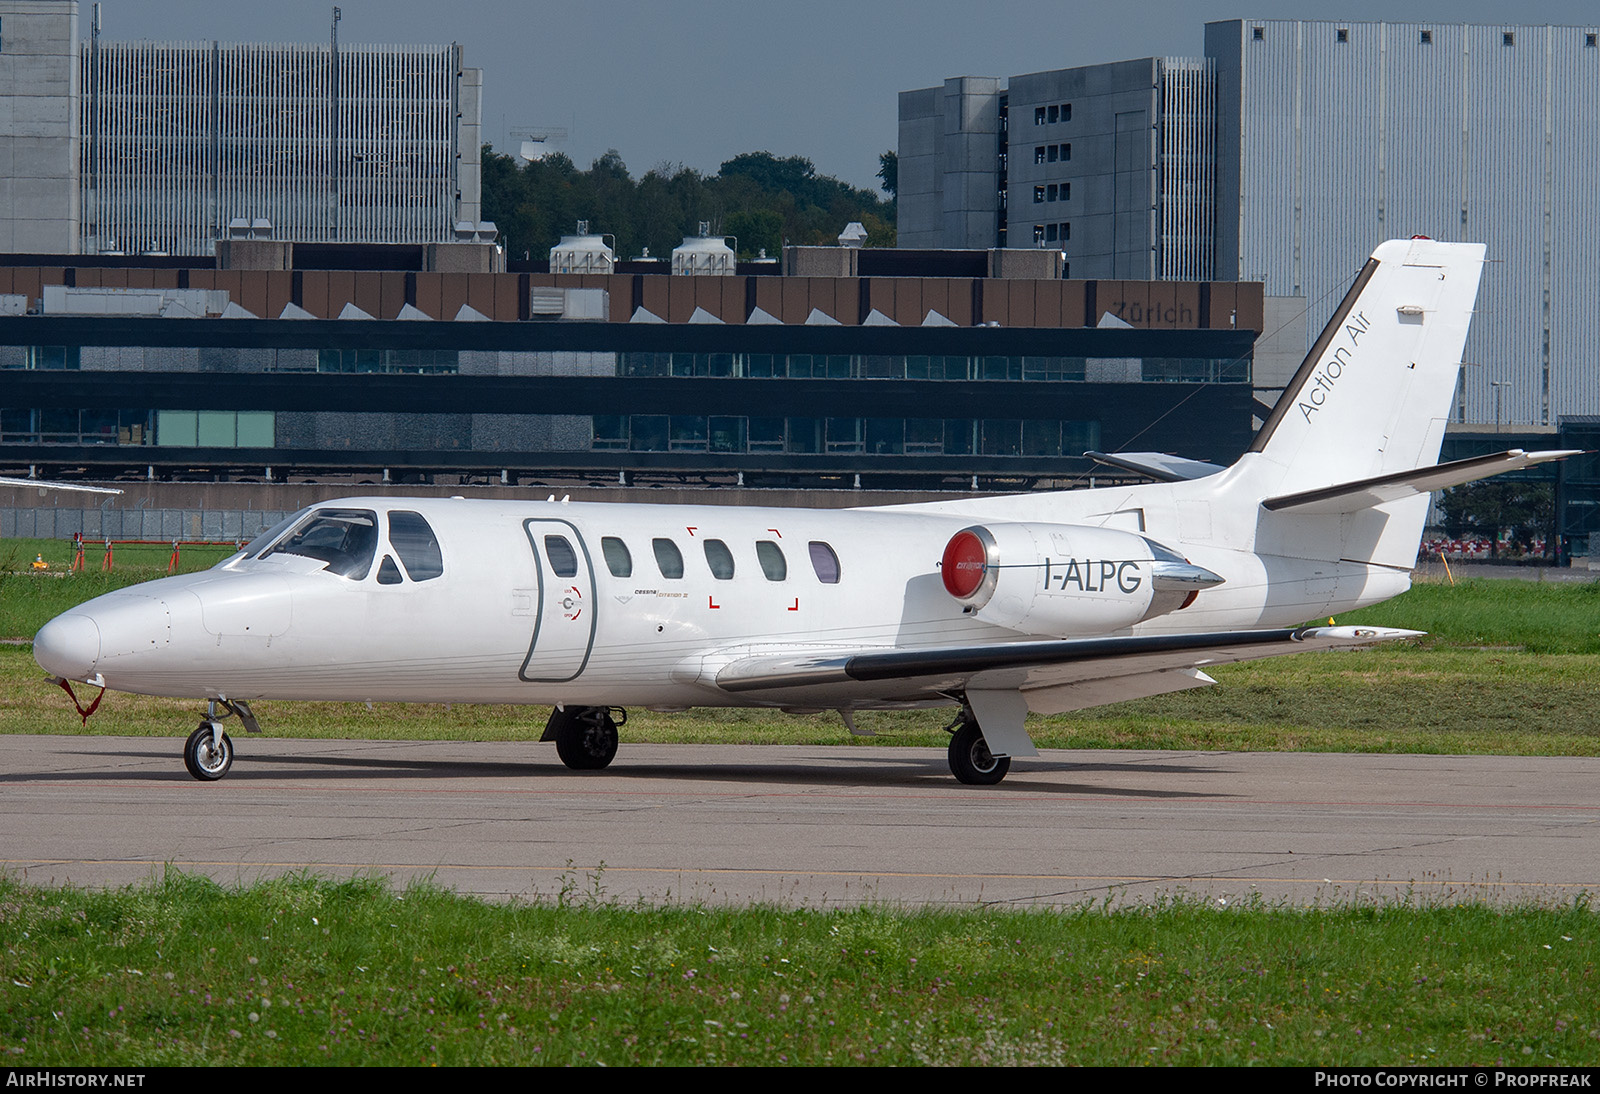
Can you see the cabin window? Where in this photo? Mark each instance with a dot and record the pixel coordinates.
(720, 559)
(773, 564)
(824, 562)
(618, 560)
(668, 558)
(388, 572)
(345, 539)
(414, 541)
(563, 559)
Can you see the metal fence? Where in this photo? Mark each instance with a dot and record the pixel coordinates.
(97, 525)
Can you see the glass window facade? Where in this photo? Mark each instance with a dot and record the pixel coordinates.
(809, 366)
(850, 436)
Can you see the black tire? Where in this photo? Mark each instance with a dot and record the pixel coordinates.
(586, 740)
(204, 761)
(971, 762)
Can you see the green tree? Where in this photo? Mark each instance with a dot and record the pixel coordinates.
(757, 230)
(763, 199)
(889, 172)
(1520, 511)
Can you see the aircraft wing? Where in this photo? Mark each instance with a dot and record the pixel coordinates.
(1052, 676)
(48, 484)
(1158, 465)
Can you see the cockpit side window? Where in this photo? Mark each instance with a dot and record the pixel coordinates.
(345, 539)
(388, 572)
(415, 543)
(254, 547)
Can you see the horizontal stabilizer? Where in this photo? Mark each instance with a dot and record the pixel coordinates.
(1157, 465)
(1352, 497)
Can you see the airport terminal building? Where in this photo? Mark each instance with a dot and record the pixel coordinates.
(186, 370)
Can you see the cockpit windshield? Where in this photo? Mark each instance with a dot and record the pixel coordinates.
(254, 547)
(343, 538)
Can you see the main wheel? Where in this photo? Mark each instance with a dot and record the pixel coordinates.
(586, 740)
(203, 757)
(971, 762)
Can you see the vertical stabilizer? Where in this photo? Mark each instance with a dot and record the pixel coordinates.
(1373, 395)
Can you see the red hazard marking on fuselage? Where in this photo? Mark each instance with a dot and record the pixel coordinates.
(712, 601)
(690, 528)
(775, 532)
(795, 606)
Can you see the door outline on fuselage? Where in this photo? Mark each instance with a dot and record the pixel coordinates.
(539, 563)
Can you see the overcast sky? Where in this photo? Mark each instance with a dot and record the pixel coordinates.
(699, 81)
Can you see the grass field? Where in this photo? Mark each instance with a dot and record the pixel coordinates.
(307, 971)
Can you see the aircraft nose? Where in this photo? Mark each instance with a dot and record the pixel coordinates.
(68, 646)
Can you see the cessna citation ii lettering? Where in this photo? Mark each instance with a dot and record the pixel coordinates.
(995, 607)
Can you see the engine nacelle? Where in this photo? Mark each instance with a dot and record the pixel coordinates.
(1066, 580)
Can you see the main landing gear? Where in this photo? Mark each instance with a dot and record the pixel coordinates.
(208, 753)
(971, 762)
(585, 737)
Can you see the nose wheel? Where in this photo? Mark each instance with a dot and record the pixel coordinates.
(208, 753)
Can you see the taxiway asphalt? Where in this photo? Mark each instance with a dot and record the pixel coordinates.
(816, 826)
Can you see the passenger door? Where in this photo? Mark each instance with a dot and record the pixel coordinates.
(564, 616)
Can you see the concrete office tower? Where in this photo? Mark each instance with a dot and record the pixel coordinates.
(1112, 164)
(38, 132)
(361, 146)
(952, 165)
(1334, 135)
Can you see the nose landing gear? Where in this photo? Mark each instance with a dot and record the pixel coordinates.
(208, 753)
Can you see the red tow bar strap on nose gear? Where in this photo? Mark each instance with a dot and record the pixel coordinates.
(82, 711)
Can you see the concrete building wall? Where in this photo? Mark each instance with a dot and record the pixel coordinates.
(1113, 165)
(971, 147)
(1335, 136)
(920, 198)
(949, 148)
(468, 141)
(38, 136)
(1105, 153)
(155, 146)
(182, 138)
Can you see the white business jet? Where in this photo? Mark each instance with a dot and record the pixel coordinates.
(1042, 602)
